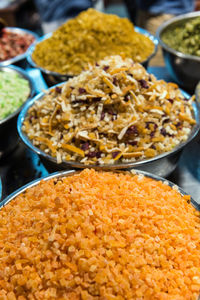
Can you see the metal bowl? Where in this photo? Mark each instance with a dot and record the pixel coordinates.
(72, 172)
(8, 126)
(19, 60)
(53, 78)
(183, 68)
(60, 175)
(161, 165)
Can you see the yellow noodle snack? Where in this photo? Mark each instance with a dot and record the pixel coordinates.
(89, 37)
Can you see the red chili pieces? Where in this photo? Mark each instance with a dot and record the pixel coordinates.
(13, 44)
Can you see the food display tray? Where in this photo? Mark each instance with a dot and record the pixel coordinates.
(23, 166)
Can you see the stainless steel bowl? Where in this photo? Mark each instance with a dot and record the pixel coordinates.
(161, 165)
(183, 68)
(19, 60)
(8, 126)
(72, 172)
(53, 78)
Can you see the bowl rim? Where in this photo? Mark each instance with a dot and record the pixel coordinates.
(72, 172)
(125, 165)
(48, 35)
(24, 75)
(19, 57)
(169, 22)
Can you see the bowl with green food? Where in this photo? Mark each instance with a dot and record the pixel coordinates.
(179, 38)
(16, 87)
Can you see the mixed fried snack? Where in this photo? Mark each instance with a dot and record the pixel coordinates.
(100, 235)
(114, 112)
(90, 37)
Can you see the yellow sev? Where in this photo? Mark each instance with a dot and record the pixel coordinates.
(100, 235)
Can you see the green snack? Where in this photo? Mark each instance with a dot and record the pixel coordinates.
(184, 38)
(14, 90)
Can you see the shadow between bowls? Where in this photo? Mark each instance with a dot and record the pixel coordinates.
(53, 78)
(19, 60)
(8, 126)
(73, 172)
(162, 165)
(183, 68)
(1, 190)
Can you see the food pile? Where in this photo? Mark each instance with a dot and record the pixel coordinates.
(89, 37)
(184, 38)
(114, 112)
(14, 91)
(100, 235)
(13, 44)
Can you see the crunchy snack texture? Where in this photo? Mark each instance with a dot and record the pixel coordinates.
(100, 235)
(89, 37)
(114, 112)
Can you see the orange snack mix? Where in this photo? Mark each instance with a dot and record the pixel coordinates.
(100, 235)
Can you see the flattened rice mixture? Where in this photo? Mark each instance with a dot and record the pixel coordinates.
(100, 235)
(89, 37)
(114, 112)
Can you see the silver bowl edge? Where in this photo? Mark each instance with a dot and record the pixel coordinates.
(73, 172)
(21, 56)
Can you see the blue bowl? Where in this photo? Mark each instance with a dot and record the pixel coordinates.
(53, 78)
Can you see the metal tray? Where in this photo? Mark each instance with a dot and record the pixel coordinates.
(23, 166)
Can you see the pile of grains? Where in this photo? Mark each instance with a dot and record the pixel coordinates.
(184, 38)
(100, 235)
(114, 112)
(14, 91)
(13, 44)
(89, 37)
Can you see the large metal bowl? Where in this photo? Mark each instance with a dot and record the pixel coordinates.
(72, 172)
(8, 126)
(161, 165)
(183, 68)
(19, 60)
(53, 78)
